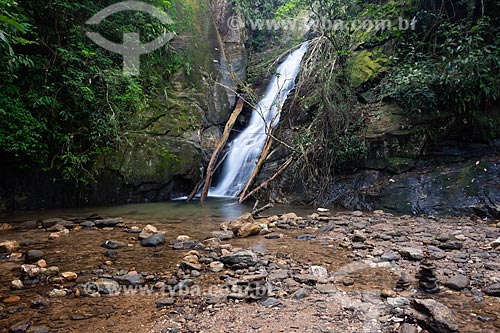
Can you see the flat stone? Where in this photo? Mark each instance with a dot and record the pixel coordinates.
(165, 302)
(273, 236)
(216, 266)
(492, 290)
(398, 302)
(38, 329)
(278, 275)
(451, 245)
(457, 282)
(306, 278)
(306, 237)
(113, 245)
(248, 257)
(390, 256)
(412, 253)
(441, 317)
(152, 241)
(223, 234)
(70, 276)
(87, 224)
(270, 302)
(106, 223)
(131, 278)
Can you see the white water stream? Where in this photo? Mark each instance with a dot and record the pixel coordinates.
(246, 148)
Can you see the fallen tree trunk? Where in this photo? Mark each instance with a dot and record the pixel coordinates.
(218, 149)
(264, 184)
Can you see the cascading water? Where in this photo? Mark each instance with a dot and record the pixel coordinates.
(246, 148)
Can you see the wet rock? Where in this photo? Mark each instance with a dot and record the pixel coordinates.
(440, 317)
(113, 245)
(273, 236)
(33, 256)
(412, 253)
(56, 228)
(457, 282)
(318, 271)
(106, 223)
(248, 230)
(106, 286)
(247, 257)
(153, 241)
(55, 293)
(237, 224)
(8, 246)
(17, 284)
(223, 234)
(492, 290)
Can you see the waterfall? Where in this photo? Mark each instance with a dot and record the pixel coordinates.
(246, 148)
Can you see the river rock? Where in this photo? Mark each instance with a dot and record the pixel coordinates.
(398, 302)
(165, 302)
(223, 234)
(38, 329)
(359, 236)
(492, 289)
(21, 326)
(55, 293)
(131, 278)
(216, 266)
(237, 224)
(246, 257)
(440, 317)
(154, 240)
(30, 270)
(87, 224)
(69, 276)
(457, 282)
(407, 328)
(301, 293)
(318, 271)
(33, 256)
(106, 223)
(106, 286)
(113, 245)
(390, 256)
(248, 230)
(17, 284)
(451, 245)
(495, 243)
(412, 253)
(270, 302)
(8, 246)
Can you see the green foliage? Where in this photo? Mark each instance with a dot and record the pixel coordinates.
(63, 100)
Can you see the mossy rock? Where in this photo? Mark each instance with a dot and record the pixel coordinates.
(367, 65)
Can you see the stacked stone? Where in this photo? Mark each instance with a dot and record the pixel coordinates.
(404, 282)
(427, 278)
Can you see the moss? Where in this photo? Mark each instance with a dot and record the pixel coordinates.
(399, 164)
(367, 65)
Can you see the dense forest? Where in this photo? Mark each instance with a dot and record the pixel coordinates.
(64, 102)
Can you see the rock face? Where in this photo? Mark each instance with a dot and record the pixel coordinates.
(440, 317)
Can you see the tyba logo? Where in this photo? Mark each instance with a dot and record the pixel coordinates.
(131, 49)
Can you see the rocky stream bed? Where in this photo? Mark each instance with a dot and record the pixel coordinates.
(325, 272)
